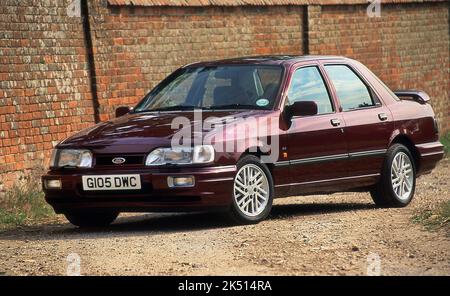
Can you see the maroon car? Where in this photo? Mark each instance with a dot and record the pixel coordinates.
(232, 135)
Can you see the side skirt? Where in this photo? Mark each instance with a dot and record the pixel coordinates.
(352, 183)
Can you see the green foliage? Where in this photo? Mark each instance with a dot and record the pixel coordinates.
(434, 219)
(445, 140)
(24, 202)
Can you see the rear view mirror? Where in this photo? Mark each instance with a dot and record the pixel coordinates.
(122, 110)
(302, 108)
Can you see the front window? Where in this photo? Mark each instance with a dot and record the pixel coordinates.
(214, 88)
(307, 85)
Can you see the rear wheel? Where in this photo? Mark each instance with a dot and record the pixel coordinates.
(252, 191)
(91, 219)
(398, 179)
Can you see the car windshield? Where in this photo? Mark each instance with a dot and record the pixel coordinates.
(215, 88)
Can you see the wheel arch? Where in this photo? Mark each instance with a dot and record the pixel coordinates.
(408, 143)
(257, 151)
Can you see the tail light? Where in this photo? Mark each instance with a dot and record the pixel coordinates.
(436, 126)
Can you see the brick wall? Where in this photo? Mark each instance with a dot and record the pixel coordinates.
(137, 47)
(44, 94)
(45, 90)
(407, 47)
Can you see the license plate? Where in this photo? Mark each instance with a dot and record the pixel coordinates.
(112, 182)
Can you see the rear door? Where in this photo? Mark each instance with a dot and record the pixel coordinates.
(368, 123)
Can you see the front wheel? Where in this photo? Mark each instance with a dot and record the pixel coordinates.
(252, 191)
(91, 219)
(398, 179)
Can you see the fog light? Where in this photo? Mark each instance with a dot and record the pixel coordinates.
(53, 184)
(185, 181)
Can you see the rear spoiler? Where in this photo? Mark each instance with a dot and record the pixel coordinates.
(411, 94)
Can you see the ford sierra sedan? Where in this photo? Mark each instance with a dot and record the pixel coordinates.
(232, 135)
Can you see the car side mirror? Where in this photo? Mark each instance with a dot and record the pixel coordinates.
(122, 110)
(302, 108)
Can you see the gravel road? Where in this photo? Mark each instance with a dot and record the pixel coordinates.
(339, 234)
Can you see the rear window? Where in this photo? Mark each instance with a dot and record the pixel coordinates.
(351, 91)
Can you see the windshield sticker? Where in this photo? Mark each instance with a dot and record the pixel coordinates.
(262, 102)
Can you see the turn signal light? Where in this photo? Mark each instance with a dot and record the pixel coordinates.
(53, 184)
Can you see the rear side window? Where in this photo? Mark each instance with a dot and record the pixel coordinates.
(307, 85)
(351, 91)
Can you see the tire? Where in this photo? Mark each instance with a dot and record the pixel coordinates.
(251, 198)
(91, 219)
(385, 193)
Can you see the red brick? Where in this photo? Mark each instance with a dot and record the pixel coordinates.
(407, 47)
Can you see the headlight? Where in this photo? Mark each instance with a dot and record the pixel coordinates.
(71, 158)
(185, 155)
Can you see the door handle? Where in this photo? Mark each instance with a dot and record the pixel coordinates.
(382, 116)
(335, 122)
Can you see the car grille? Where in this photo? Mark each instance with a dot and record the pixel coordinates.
(107, 160)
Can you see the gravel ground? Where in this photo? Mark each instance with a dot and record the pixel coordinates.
(339, 234)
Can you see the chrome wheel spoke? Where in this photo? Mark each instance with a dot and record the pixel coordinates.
(239, 179)
(241, 191)
(241, 201)
(260, 196)
(395, 167)
(396, 185)
(260, 189)
(258, 203)
(401, 188)
(394, 174)
(240, 184)
(254, 178)
(408, 184)
(246, 203)
(259, 180)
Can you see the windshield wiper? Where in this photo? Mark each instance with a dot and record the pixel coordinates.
(236, 106)
(172, 108)
(190, 107)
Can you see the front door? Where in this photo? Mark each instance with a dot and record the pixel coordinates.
(317, 148)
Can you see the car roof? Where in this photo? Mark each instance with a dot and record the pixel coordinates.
(267, 60)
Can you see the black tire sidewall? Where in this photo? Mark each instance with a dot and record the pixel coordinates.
(392, 152)
(236, 212)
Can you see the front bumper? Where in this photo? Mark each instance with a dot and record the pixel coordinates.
(212, 190)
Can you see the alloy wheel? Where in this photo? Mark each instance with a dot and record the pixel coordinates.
(251, 190)
(402, 176)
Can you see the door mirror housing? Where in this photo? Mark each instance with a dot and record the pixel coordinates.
(301, 108)
(122, 110)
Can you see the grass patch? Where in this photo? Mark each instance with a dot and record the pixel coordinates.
(434, 219)
(24, 203)
(445, 140)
